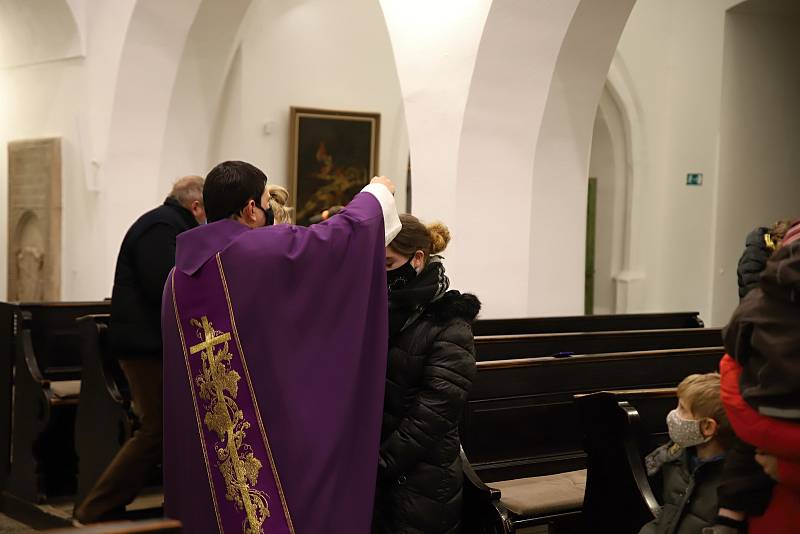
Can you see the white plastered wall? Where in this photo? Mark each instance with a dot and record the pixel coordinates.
(474, 87)
(330, 67)
(487, 197)
(670, 60)
(760, 135)
(63, 87)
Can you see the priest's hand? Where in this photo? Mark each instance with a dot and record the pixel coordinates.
(384, 181)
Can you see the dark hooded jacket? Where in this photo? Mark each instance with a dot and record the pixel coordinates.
(689, 490)
(754, 258)
(430, 371)
(764, 337)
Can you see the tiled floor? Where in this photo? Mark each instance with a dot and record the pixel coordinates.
(145, 506)
(8, 525)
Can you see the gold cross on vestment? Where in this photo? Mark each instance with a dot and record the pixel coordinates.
(212, 339)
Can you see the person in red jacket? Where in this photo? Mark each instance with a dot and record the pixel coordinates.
(761, 392)
(778, 443)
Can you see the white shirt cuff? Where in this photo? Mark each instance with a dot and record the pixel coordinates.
(391, 220)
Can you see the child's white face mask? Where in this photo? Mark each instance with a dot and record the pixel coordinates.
(685, 432)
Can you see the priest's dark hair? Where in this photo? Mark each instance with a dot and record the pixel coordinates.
(230, 186)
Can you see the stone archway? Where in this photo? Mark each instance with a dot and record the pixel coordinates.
(524, 150)
(157, 36)
(562, 155)
(36, 31)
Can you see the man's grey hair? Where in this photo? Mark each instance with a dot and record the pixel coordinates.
(188, 189)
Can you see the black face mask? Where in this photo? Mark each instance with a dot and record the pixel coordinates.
(268, 213)
(401, 277)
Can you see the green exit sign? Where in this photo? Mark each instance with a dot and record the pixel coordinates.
(694, 178)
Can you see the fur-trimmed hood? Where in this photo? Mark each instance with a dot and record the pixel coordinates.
(454, 305)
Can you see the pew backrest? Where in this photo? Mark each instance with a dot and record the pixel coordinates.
(587, 323)
(54, 335)
(536, 345)
(619, 429)
(96, 346)
(521, 420)
(6, 385)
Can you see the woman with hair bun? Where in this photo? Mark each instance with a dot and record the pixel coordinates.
(278, 198)
(429, 374)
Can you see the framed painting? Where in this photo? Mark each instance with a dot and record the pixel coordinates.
(333, 154)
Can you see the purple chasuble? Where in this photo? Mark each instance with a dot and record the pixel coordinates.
(275, 344)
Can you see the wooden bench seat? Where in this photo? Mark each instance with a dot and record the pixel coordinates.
(65, 391)
(537, 496)
(147, 526)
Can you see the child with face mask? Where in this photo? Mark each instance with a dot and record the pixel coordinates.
(690, 464)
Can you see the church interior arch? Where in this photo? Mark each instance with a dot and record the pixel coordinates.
(243, 67)
(502, 108)
(37, 31)
(608, 164)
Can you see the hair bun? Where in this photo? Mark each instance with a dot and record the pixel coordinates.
(440, 237)
(278, 194)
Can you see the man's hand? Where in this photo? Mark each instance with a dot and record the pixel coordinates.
(769, 463)
(384, 181)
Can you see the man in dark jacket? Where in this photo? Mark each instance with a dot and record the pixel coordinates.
(146, 257)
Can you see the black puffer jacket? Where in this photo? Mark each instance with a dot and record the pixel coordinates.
(753, 260)
(430, 372)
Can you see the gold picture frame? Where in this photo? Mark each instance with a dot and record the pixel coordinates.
(332, 155)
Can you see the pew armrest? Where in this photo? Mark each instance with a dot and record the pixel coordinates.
(112, 373)
(25, 346)
(476, 482)
(483, 511)
(635, 461)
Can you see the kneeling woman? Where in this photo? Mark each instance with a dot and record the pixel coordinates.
(430, 370)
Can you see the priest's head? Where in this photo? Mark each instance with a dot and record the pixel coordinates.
(188, 191)
(237, 190)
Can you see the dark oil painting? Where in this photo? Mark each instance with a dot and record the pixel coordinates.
(333, 155)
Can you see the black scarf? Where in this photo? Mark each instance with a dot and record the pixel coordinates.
(407, 303)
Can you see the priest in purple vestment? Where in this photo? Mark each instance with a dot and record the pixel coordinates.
(275, 341)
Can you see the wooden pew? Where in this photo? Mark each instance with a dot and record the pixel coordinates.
(521, 422)
(105, 419)
(620, 428)
(148, 526)
(535, 345)
(587, 323)
(7, 329)
(47, 370)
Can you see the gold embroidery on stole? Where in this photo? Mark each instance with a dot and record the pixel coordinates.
(219, 386)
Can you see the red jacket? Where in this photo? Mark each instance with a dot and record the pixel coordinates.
(774, 436)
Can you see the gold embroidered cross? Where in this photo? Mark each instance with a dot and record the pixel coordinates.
(211, 340)
(239, 468)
